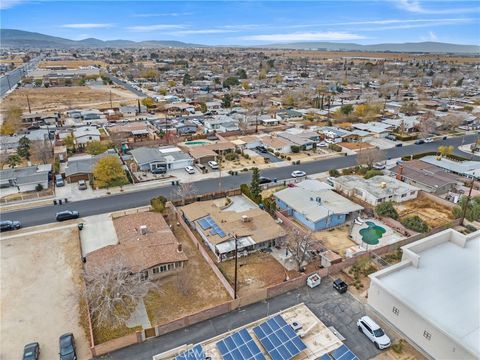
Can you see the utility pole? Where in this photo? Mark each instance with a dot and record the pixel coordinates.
(111, 105)
(236, 268)
(465, 206)
(28, 102)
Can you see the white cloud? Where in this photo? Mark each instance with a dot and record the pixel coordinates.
(414, 6)
(174, 14)
(87, 26)
(420, 24)
(146, 28)
(201, 31)
(305, 36)
(7, 4)
(432, 36)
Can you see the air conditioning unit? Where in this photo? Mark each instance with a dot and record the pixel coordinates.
(246, 218)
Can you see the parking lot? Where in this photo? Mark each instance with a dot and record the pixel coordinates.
(333, 309)
(40, 289)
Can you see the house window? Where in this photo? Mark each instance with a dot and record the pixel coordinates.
(427, 335)
(404, 195)
(412, 192)
(163, 268)
(156, 270)
(395, 311)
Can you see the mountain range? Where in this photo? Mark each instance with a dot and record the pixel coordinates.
(10, 38)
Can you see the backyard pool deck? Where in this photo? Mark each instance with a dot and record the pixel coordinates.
(389, 237)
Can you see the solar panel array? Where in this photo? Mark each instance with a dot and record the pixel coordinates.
(343, 353)
(195, 353)
(239, 346)
(279, 339)
(208, 223)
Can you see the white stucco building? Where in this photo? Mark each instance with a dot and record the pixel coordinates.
(433, 295)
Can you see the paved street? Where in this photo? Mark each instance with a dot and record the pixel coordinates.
(46, 214)
(125, 85)
(9, 80)
(332, 308)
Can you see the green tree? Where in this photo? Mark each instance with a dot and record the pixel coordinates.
(473, 208)
(23, 149)
(255, 188)
(203, 107)
(295, 149)
(241, 74)
(108, 172)
(158, 203)
(334, 173)
(227, 100)
(187, 80)
(230, 81)
(415, 223)
(148, 102)
(372, 172)
(69, 141)
(386, 209)
(13, 160)
(96, 147)
(346, 109)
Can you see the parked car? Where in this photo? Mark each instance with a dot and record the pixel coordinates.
(340, 285)
(374, 332)
(59, 181)
(67, 215)
(159, 170)
(419, 142)
(445, 137)
(379, 166)
(262, 149)
(67, 347)
(31, 351)
(190, 169)
(391, 137)
(428, 140)
(265, 180)
(298, 173)
(322, 144)
(7, 225)
(82, 185)
(213, 164)
(399, 145)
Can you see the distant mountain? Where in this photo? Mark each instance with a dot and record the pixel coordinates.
(420, 47)
(26, 39)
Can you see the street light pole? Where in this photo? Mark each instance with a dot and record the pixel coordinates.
(236, 268)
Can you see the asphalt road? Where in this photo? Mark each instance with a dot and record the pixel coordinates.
(125, 85)
(46, 214)
(11, 78)
(338, 310)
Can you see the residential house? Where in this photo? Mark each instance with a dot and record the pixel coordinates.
(221, 123)
(26, 178)
(281, 145)
(81, 167)
(223, 222)
(315, 205)
(85, 134)
(186, 128)
(9, 144)
(132, 132)
(377, 129)
(146, 245)
(404, 124)
(167, 158)
(376, 190)
(470, 169)
(131, 111)
(306, 140)
(287, 114)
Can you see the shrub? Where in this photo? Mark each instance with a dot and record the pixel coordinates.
(277, 154)
(347, 171)
(371, 173)
(295, 149)
(39, 187)
(386, 209)
(246, 156)
(245, 169)
(158, 203)
(270, 150)
(398, 346)
(361, 170)
(334, 173)
(231, 156)
(335, 147)
(289, 158)
(415, 223)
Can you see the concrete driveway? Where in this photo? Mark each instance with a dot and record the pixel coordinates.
(98, 232)
(332, 308)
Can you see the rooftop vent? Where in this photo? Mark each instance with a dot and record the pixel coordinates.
(246, 218)
(383, 184)
(143, 230)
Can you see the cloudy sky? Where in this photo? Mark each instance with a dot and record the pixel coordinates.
(250, 22)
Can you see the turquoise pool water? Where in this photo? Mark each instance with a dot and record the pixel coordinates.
(196, 142)
(372, 233)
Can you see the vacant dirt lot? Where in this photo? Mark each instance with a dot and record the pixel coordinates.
(40, 289)
(431, 212)
(72, 64)
(335, 239)
(255, 271)
(61, 97)
(194, 289)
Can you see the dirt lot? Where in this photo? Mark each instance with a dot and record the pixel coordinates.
(255, 271)
(72, 64)
(335, 239)
(194, 289)
(431, 212)
(40, 289)
(61, 97)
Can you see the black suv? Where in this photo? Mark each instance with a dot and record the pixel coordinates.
(264, 180)
(7, 225)
(67, 347)
(31, 351)
(67, 215)
(340, 286)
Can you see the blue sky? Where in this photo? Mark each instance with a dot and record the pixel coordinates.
(250, 22)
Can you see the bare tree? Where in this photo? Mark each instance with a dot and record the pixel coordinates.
(113, 291)
(184, 190)
(42, 151)
(299, 243)
(370, 156)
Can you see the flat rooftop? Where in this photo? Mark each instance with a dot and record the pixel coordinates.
(444, 288)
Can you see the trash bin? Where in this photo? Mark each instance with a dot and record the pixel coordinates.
(275, 180)
(177, 182)
(54, 202)
(80, 226)
(66, 200)
(60, 201)
(173, 183)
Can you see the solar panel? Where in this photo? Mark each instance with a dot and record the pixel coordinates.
(279, 339)
(343, 353)
(204, 223)
(324, 357)
(194, 353)
(239, 346)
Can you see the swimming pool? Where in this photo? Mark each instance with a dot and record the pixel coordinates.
(197, 142)
(372, 233)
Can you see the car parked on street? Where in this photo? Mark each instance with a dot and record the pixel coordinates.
(264, 180)
(31, 351)
(67, 215)
(340, 285)
(419, 142)
(374, 332)
(82, 185)
(213, 165)
(298, 173)
(67, 347)
(7, 225)
(190, 169)
(391, 137)
(428, 140)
